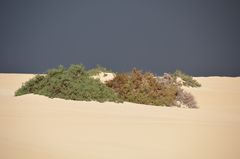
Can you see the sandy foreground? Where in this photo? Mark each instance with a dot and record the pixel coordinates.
(37, 127)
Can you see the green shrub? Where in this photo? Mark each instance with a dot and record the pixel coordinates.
(73, 83)
(31, 86)
(187, 79)
(143, 88)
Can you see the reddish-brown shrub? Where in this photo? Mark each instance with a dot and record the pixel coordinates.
(143, 88)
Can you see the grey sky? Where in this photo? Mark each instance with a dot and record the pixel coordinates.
(200, 37)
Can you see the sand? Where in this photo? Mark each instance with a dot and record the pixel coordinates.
(36, 127)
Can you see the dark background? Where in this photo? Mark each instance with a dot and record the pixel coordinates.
(200, 37)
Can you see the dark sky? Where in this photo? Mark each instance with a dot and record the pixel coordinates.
(200, 37)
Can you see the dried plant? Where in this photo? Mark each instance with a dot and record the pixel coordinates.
(186, 98)
(143, 88)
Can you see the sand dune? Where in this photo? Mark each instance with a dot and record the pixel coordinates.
(33, 126)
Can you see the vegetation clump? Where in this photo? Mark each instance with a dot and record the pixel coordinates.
(187, 79)
(183, 98)
(143, 88)
(73, 83)
(76, 83)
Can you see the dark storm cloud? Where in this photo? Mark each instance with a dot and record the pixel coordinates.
(199, 37)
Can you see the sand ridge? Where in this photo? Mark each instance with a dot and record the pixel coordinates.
(34, 126)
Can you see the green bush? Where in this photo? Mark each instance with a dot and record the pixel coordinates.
(31, 86)
(187, 79)
(73, 83)
(143, 88)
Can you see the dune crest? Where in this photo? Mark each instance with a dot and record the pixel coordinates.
(34, 126)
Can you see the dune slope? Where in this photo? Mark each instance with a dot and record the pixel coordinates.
(33, 126)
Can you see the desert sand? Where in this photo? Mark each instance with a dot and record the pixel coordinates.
(37, 127)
